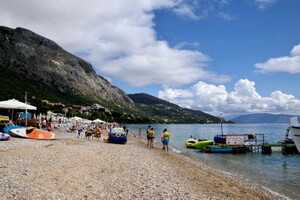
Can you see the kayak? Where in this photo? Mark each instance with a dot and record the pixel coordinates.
(8, 129)
(33, 133)
(198, 143)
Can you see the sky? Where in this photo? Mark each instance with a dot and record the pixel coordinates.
(228, 57)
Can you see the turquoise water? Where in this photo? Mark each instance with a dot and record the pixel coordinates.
(279, 173)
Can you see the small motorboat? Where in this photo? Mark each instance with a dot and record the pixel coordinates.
(295, 128)
(226, 149)
(4, 136)
(198, 143)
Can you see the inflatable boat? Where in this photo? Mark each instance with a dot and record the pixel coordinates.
(117, 135)
(198, 143)
(4, 136)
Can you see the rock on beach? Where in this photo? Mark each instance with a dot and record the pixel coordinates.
(72, 168)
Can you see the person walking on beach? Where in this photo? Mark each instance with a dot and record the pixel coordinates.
(148, 138)
(165, 138)
(140, 133)
(79, 130)
(151, 136)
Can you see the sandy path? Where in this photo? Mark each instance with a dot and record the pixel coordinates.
(71, 168)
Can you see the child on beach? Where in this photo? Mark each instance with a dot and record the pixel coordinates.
(165, 138)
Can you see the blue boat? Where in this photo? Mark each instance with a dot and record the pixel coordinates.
(117, 135)
(226, 149)
(8, 128)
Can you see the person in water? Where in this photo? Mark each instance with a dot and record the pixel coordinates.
(140, 133)
(151, 138)
(165, 138)
(148, 139)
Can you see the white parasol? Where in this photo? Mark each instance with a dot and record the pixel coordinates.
(99, 121)
(15, 104)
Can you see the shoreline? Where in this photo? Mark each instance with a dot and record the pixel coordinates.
(71, 168)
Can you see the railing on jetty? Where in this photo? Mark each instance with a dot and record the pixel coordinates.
(240, 143)
(243, 143)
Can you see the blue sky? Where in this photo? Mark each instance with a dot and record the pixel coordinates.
(218, 56)
(250, 36)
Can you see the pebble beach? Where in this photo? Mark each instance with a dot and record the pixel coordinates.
(73, 168)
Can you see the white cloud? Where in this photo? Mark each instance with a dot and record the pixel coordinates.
(262, 4)
(117, 37)
(186, 10)
(290, 64)
(243, 99)
(187, 44)
(296, 50)
(265, 1)
(225, 16)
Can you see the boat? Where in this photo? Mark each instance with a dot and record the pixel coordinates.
(8, 129)
(198, 143)
(4, 136)
(226, 149)
(33, 133)
(4, 118)
(117, 135)
(295, 129)
(4, 121)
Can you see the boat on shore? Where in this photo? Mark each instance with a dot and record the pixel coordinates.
(8, 129)
(196, 143)
(4, 136)
(295, 129)
(33, 133)
(117, 135)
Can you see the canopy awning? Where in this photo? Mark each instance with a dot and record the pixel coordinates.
(15, 104)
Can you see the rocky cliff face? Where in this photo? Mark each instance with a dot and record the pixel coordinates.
(39, 58)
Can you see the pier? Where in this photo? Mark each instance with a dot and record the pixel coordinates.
(243, 143)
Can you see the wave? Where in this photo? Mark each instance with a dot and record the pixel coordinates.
(175, 150)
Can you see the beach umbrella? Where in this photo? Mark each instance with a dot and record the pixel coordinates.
(99, 121)
(76, 119)
(15, 104)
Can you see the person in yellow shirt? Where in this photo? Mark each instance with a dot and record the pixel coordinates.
(165, 139)
(151, 135)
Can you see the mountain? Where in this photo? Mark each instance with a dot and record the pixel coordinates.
(30, 62)
(34, 64)
(262, 118)
(168, 112)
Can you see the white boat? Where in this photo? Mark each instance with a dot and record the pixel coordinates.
(295, 128)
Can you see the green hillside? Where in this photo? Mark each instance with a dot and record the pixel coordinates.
(170, 113)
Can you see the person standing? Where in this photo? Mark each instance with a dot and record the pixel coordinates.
(140, 133)
(148, 138)
(151, 136)
(79, 130)
(165, 139)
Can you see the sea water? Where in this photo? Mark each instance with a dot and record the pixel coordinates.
(276, 172)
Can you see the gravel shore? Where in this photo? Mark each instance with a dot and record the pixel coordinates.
(71, 168)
